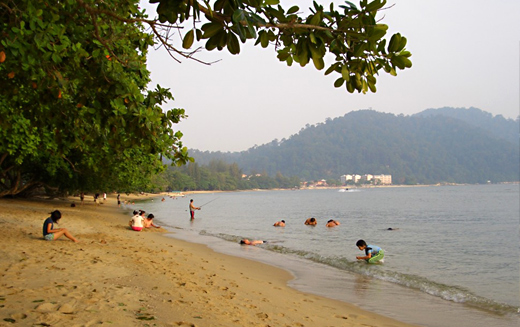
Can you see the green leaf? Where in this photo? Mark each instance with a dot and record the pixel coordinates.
(345, 73)
(232, 44)
(350, 86)
(375, 5)
(394, 43)
(188, 39)
(331, 69)
(318, 62)
(211, 29)
(292, 10)
(339, 82)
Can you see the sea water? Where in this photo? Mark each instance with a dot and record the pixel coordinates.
(451, 258)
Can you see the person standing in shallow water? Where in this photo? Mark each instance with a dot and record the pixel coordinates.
(192, 210)
(50, 233)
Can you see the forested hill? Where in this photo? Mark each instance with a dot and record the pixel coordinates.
(507, 129)
(413, 149)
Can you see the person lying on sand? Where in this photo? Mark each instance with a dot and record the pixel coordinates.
(280, 223)
(245, 241)
(50, 233)
(332, 223)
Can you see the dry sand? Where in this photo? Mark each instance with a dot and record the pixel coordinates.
(120, 277)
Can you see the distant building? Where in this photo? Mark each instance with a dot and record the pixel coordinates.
(383, 179)
(321, 183)
(366, 178)
(345, 178)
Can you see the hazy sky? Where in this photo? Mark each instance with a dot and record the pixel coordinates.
(465, 53)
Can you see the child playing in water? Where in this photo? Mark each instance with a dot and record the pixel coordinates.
(148, 222)
(373, 253)
(51, 234)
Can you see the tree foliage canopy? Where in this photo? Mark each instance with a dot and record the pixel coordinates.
(351, 34)
(76, 113)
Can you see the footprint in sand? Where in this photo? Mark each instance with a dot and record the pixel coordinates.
(262, 315)
(185, 324)
(46, 307)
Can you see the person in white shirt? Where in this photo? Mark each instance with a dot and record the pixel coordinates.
(137, 222)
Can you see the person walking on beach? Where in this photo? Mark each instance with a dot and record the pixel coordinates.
(82, 197)
(119, 200)
(280, 223)
(332, 223)
(192, 209)
(311, 221)
(52, 234)
(373, 253)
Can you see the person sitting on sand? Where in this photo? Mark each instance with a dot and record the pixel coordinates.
(51, 234)
(311, 221)
(373, 254)
(280, 223)
(332, 223)
(137, 222)
(148, 222)
(245, 241)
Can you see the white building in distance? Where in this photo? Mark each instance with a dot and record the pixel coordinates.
(376, 179)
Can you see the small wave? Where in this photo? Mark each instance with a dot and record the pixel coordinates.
(447, 292)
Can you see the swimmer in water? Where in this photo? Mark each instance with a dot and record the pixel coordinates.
(245, 241)
(311, 221)
(332, 223)
(280, 223)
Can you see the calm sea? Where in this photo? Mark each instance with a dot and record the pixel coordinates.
(451, 260)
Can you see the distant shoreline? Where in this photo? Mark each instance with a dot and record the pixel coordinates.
(184, 193)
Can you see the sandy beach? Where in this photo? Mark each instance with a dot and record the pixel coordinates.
(124, 278)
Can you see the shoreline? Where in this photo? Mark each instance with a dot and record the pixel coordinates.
(115, 275)
(353, 187)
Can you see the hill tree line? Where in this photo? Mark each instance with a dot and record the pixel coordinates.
(218, 175)
(419, 149)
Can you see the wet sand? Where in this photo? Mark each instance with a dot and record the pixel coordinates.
(121, 277)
